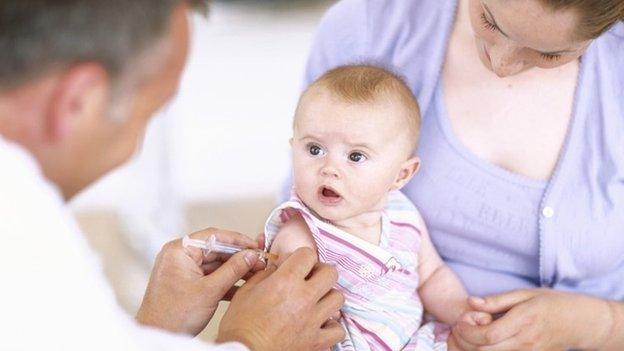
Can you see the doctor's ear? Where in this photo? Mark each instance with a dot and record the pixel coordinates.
(81, 94)
(406, 172)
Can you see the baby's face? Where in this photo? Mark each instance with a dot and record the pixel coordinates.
(347, 156)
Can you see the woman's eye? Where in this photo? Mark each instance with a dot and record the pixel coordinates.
(357, 157)
(550, 57)
(487, 24)
(315, 150)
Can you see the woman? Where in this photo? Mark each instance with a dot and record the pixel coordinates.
(522, 184)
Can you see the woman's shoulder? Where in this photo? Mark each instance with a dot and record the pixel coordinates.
(403, 9)
(375, 22)
(609, 47)
(617, 31)
(377, 31)
(611, 43)
(604, 78)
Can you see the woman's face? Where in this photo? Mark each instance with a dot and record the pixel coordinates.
(513, 36)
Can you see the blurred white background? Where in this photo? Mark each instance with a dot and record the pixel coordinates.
(218, 154)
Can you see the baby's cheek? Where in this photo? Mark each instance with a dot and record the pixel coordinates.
(303, 185)
(376, 183)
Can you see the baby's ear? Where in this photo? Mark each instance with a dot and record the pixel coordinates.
(406, 172)
(290, 141)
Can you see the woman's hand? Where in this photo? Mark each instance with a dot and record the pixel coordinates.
(537, 319)
(186, 286)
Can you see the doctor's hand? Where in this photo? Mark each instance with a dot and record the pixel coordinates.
(186, 286)
(537, 319)
(286, 308)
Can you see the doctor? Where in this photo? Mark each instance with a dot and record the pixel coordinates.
(79, 80)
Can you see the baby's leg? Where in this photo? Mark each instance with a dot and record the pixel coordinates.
(291, 236)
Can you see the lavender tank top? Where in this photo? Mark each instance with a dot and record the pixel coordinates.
(479, 215)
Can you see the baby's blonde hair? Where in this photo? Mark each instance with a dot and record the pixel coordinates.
(362, 83)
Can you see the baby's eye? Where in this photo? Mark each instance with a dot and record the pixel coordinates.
(315, 150)
(357, 157)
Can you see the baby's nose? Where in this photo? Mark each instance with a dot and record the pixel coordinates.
(329, 171)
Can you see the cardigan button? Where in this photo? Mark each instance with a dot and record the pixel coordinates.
(548, 212)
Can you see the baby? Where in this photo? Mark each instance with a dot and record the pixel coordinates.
(355, 135)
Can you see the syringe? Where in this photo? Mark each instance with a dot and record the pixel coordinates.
(213, 245)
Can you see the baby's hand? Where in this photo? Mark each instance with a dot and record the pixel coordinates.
(475, 318)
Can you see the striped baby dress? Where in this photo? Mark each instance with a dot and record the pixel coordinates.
(382, 310)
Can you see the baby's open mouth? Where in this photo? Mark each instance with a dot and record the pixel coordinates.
(329, 192)
(329, 195)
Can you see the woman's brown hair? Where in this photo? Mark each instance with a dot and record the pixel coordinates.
(596, 16)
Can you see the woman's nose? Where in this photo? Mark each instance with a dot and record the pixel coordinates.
(506, 60)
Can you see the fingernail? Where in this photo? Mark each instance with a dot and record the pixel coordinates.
(477, 300)
(251, 258)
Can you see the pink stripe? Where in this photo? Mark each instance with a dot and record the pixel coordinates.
(354, 248)
(284, 217)
(344, 260)
(344, 267)
(322, 256)
(343, 254)
(348, 269)
(399, 224)
(441, 331)
(321, 250)
(374, 336)
(310, 222)
(403, 245)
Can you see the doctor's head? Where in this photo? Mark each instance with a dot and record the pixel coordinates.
(80, 79)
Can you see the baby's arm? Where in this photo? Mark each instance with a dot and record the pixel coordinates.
(291, 236)
(440, 290)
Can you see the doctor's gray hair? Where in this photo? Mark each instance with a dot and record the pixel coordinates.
(37, 36)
